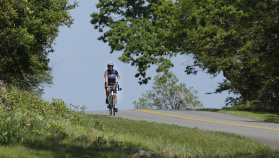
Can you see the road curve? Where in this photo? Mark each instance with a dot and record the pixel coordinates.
(266, 133)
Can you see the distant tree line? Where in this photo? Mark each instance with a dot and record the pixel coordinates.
(238, 39)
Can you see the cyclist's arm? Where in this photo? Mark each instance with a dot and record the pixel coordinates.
(106, 79)
(118, 77)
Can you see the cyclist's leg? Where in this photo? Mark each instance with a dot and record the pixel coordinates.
(110, 104)
(115, 99)
(107, 94)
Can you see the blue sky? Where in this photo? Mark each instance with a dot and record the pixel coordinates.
(79, 63)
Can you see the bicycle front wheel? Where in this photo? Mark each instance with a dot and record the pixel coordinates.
(110, 104)
(110, 111)
(113, 106)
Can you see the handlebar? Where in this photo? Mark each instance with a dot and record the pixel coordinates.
(116, 86)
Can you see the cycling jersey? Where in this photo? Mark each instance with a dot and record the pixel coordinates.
(111, 76)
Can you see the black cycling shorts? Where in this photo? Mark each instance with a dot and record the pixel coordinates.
(114, 89)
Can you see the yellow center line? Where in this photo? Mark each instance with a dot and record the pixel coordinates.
(189, 118)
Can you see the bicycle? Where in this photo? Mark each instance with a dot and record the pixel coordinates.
(111, 104)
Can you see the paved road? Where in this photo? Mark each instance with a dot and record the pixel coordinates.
(266, 133)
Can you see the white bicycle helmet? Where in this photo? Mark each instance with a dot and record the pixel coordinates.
(110, 63)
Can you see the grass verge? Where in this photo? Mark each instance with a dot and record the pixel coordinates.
(260, 116)
(110, 137)
(176, 141)
(251, 114)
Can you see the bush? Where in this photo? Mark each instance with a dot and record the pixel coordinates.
(24, 118)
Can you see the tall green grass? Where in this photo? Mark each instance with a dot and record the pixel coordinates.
(51, 129)
(25, 118)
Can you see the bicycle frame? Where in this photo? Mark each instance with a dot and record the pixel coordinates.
(111, 103)
(111, 98)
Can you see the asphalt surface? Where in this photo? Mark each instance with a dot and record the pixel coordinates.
(266, 133)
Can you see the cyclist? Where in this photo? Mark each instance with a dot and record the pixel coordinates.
(111, 78)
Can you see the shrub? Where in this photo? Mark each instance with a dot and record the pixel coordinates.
(24, 117)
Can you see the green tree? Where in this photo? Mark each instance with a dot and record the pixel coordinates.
(27, 32)
(236, 38)
(132, 29)
(167, 93)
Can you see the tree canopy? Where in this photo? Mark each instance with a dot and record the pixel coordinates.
(167, 93)
(27, 32)
(132, 29)
(238, 39)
